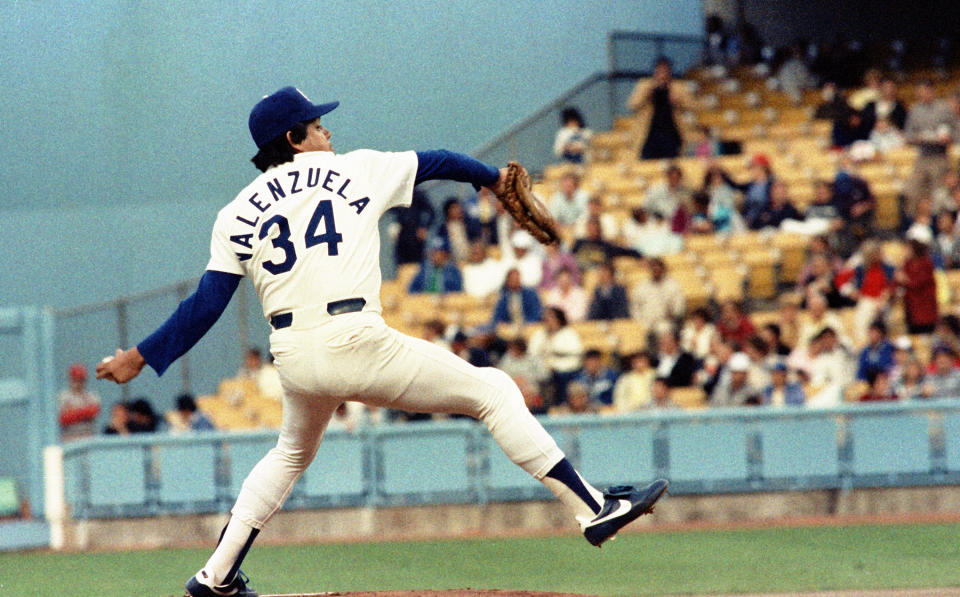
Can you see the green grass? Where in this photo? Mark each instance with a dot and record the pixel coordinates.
(781, 560)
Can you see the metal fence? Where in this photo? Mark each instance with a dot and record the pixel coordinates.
(87, 333)
(709, 452)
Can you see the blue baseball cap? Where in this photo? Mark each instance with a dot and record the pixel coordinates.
(276, 114)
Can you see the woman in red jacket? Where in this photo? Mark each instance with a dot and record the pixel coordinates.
(919, 288)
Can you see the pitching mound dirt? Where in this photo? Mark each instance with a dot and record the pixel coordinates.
(944, 592)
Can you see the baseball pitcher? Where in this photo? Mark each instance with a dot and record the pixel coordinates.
(305, 233)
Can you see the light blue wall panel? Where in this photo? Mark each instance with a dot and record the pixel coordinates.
(708, 451)
(890, 445)
(117, 476)
(338, 468)
(799, 447)
(187, 472)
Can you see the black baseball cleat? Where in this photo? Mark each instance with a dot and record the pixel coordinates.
(237, 588)
(622, 505)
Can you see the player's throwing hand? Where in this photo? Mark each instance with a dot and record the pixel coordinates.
(122, 366)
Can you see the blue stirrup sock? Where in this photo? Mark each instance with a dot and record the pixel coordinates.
(570, 488)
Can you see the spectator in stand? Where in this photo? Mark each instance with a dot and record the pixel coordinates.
(944, 381)
(488, 215)
(761, 359)
(658, 299)
(651, 235)
(887, 106)
(946, 195)
(660, 395)
(871, 287)
(919, 286)
(855, 203)
(848, 129)
(902, 353)
(817, 317)
(704, 145)
(632, 392)
(674, 364)
(577, 402)
(482, 275)
(597, 379)
(722, 209)
(716, 366)
(415, 223)
(771, 334)
(559, 347)
(829, 369)
(569, 203)
(662, 94)
(568, 296)
(437, 275)
(609, 228)
(700, 222)
(946, 246)
(517, 304)
(877, 355)
(457, 230)
(609, 297)
(252, 363)
(781, 391)
(819, 274)
(525, 256)
(931, 126)
(573, 138)
(734, 324)
(698, 333)
(823, 217)
(885, 137)
(788, 312)
(119, 423)
(794, 76)
(668, 196)
(833, 104)
(591, 251)
(947, 333)
(518, 363)
(141, 417)
(870, 92)
(555, 260)
(912, 384)
(78, 406)
(735, 389)
(756, 192)
(186, 417)
(879, 388)
(434, 332)
(778, 209)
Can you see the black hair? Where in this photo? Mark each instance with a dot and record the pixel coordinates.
(186, 402)
(448, 203)
(570, 113)
(278, 150)
(879, 326)
(560, 315)
(593, 353)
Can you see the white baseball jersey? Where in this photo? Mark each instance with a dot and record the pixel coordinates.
(305, 232)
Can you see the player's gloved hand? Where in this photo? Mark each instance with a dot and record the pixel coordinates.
(122, 366)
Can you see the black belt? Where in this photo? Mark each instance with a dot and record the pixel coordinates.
(350, 305)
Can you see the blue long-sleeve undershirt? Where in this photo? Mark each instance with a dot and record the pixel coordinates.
(450, 165)
(193, 318)
(197, 313)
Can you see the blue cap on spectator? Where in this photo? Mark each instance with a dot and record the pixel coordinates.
(779, 366)
(275, 114)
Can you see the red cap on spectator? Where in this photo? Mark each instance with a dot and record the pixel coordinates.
(760, 160)
(77, 372)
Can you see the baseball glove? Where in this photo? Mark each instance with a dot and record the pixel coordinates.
(523, 205)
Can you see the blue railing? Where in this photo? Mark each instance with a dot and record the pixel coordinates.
(28, 413)
(715, 451)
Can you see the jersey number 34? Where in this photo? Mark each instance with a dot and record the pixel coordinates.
(330, 237)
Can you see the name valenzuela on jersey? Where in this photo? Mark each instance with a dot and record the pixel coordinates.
(297, 183)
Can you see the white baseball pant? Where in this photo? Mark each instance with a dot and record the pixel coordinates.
(356, 356)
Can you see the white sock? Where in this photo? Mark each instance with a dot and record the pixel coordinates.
(233, 546)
